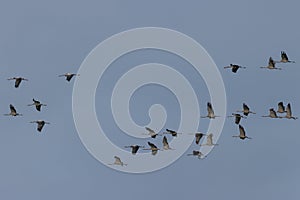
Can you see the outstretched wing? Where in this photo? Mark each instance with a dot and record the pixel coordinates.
(150, 130)
(12, 109)
(198, 137)
(273, 113)
(235, 68)
(281, 107)
(237, 118)
(40, 126)
(284, 56)
(242, 131)
(152, 145)
(289, 110)
(210, 109)
(271, 62)
(17, 82)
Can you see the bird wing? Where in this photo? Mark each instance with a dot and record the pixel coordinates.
(289, 110)
(210, 109)
(170, 131)
(150, 130)
(271, 62)
(245, 108)
(198, 137)
(117, 160)
(165, 142)
(38, 107)
(235, 68)
(40, 126)
(135, 149)
(36, 101)
(69, 77)
(281, 107)
(273, 113)
(12, 109)
(242, 131)
(284, 56)
(237, 119)
(17, 82)
(152, 145)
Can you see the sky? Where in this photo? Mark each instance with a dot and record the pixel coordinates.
(40, 41)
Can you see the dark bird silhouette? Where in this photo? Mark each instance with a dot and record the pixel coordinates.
(281, 108)
(134, 148)
(17, 80)
(38, 105)
(69, 76)
(40, 124)
(166, 144)
(246, 110)
(289, 114)
(234, 68)
(284, 58)
(238, 117)
(13, 111)
(198, 137)
(171, 132)
(210, 112)
(151, 132)
(242, 134)
(153, 148)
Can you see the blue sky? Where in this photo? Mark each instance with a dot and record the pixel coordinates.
(40, 41)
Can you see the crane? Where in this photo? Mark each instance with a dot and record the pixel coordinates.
(242, 134)
(17, 80)
(271, 64)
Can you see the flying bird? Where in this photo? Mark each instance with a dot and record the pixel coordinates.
(198, 137)
(242, 134)
(271, 64)
(69, 76)
(166, 144)
(281, 108)
(171, 132)
(118, 161)
(234, 68)
(272, 114)
(210, 112)
(238, 117)
(153, 148)
(197, 153)
(246, 110)
(289, 112)
(150, 132)
(13, 111)
(17, 80)
(40, 124)
(284, 58)
(209, 141)
(134, 148)
(38, 105)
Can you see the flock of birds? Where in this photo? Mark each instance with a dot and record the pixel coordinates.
(38, 105)
(282, 109)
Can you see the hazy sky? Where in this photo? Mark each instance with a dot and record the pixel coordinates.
(39, 41)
